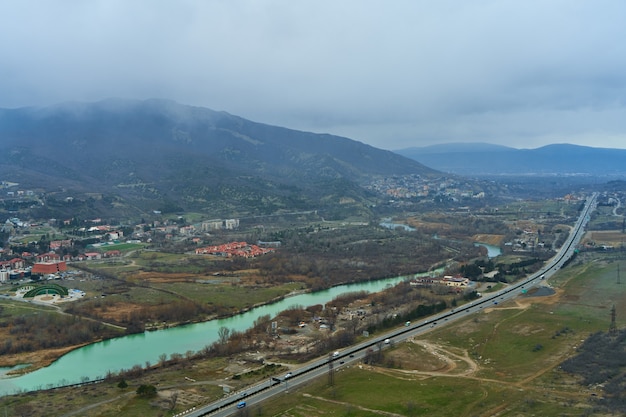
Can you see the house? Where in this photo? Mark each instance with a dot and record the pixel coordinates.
(58, 244)
(49, 267)
(187, 230)
(455, 281)
(16, 263)
(48, 257)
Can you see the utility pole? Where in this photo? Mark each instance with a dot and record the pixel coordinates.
(613, 326)
(331, 371)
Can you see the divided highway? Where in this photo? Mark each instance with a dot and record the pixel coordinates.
(262, 391)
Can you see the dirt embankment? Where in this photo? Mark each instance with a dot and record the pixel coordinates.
(494, 240)
(37, 359)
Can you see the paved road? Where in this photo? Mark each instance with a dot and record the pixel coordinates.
(262, 391)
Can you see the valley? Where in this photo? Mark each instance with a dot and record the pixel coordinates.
(137, 289)
(156, 236)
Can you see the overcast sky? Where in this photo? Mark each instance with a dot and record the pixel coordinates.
(393, 74)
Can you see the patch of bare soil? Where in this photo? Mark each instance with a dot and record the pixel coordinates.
(418, 356)
(605, 237)
(185, 399)
(523, 302)
(494, 240)
(526, 329)
(451, 359)
(432, 360)
(423, 225)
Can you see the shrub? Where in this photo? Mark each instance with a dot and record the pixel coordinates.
(146, 391)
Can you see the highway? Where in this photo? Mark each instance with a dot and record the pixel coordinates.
(264, 390)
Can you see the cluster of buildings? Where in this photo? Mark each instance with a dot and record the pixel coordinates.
(241, 249)
(416, 186)
(42, 264)
(24, 264)
(28, 264)
(13, 269)
(456, 283)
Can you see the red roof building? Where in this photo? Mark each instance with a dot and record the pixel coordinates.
(49, 267)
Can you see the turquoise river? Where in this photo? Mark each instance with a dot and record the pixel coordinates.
(96, 360)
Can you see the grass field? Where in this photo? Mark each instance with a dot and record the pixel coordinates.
(123, 247)
(503, 361)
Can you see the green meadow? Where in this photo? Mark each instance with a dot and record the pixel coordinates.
(503, 361)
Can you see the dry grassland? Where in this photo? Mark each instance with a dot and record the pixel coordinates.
(494, 240)
(605, 237)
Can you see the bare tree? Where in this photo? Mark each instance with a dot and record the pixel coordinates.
(173, 400)
(223, 334)
(162, 359)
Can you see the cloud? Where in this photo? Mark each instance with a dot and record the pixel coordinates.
(392, 74)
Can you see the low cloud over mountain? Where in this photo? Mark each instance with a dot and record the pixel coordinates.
(157, 152)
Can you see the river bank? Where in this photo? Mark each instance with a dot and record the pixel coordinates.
(40, 359)
(36, 359)
(96, 360)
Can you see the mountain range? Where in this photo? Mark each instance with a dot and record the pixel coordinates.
(128, 157)
(486, 160)
(161, 155)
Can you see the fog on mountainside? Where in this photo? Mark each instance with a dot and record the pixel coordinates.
(188, 157)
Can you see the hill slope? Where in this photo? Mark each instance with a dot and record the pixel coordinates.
(158, 153)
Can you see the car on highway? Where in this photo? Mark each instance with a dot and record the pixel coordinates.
(241, 404)
(288, 375)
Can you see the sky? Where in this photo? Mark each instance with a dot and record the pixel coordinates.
(391, 73)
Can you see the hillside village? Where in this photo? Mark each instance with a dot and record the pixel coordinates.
(417, 186)
(31, 255)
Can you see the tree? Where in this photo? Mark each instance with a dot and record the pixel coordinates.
(146, 391)
(353, 324)
(173, 399)
(223, 334)
(162, 359)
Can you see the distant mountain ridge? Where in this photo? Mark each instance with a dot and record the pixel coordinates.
(157, 152)
(481, 159)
